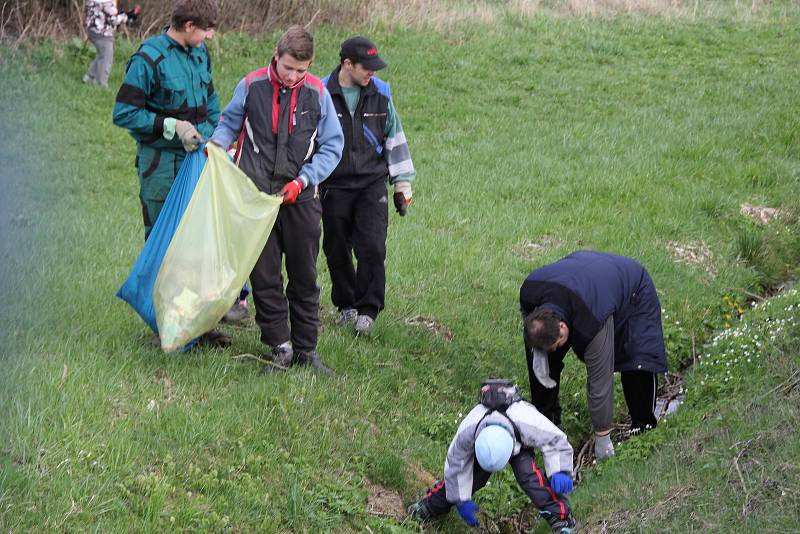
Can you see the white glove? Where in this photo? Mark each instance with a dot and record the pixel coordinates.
(188, 135)
(603, 448)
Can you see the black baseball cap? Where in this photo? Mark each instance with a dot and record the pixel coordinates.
(362, 50)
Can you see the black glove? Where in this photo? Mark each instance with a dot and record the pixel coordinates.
(133, 14)
(400, 204)
(402, 197)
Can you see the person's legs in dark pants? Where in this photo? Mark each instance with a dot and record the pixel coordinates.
(301, 231)
(639, 388)
(370, 224)
(272, 311)
(434, 503)
(555, 509)
(337, 220)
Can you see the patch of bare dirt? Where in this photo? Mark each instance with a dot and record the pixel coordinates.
(168, 387)
(532, 249)
(431, 325)
(523, 521)
(760, 214)
(695, 254)
(384, 502)
(672, 502)
(617, 521)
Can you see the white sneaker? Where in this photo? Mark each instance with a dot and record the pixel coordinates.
(364, 325)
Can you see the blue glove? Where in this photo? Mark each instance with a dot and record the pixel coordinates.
(467, 511)
(561, 483)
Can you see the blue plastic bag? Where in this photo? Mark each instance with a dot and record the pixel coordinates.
(138, 288)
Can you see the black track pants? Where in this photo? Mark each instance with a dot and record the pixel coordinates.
(295, 236)
(355, 221)
(532, 481)
(639, 388)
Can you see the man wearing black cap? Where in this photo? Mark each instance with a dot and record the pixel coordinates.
(355, 213)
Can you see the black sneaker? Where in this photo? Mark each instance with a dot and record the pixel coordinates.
(564, 526)
(419, 510)
(560, 526)
(215, 338)
(311, 359)
(280, 358)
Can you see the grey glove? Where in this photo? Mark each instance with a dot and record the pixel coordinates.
(188, 135)
(603, 448)
(540, 365)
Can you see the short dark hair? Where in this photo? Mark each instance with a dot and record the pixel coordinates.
(202, 13)
(297, 42)
(542, 327)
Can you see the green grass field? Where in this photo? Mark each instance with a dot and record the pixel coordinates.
(532, 137)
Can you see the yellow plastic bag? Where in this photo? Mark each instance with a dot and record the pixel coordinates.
(218, 241)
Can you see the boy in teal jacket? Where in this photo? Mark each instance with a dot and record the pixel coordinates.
(167, 101)
(168, 104)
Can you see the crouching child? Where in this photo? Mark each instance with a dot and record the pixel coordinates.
(503, 429)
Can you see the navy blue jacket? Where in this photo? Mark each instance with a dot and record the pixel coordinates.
(363, 161)
(587, 287)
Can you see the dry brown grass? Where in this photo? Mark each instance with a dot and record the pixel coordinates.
(26, 19)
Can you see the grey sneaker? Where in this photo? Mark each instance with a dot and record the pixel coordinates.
(280, 358)
(364, 325)
(237, 313)
(347, 317)
(88, 79)
(311, 359)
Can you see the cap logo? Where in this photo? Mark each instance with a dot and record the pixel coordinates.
(372, 51)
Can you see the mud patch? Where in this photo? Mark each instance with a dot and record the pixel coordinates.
(760, 214)
(695, 254)
(432, 325)
(384, 502)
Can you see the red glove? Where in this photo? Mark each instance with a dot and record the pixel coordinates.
(205, 148)
(291, 190)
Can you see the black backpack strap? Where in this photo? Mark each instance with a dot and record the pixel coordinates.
(154, 65)
(517, 434)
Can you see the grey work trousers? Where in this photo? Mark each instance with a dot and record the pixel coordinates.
(100, 68)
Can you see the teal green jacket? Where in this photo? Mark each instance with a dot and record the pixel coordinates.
(164, 79)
